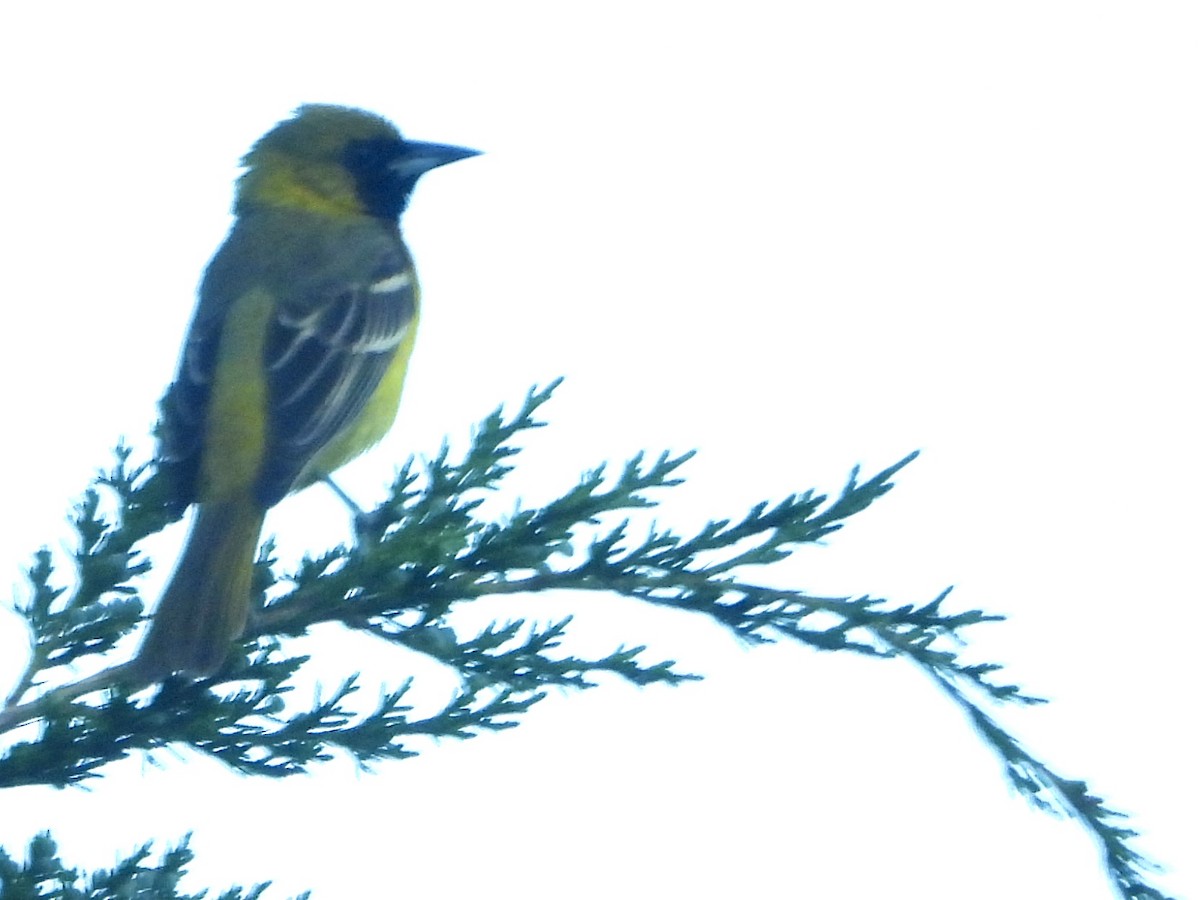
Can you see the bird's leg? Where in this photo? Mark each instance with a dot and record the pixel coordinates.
(364, 523)
(355, 509)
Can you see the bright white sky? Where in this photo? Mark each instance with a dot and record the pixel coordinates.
(794, 236)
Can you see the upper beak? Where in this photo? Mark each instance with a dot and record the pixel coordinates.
(418, 157)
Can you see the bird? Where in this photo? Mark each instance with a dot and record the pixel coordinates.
(294, 360)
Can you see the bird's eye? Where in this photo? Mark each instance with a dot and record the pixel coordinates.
(369, 155)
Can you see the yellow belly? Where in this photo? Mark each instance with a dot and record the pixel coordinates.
(371, 425)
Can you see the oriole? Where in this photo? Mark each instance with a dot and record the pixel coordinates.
(294, 359)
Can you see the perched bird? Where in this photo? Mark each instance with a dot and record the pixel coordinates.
(294, 360)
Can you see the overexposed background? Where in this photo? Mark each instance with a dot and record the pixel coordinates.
(794, 236)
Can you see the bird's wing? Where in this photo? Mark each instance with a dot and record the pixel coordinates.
(327, 348)
(343, 301)
(184, 408)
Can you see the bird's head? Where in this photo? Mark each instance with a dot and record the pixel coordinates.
(338, 160)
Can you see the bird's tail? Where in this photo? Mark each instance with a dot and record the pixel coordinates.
(205, 604)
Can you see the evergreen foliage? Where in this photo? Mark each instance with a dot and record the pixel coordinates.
(421, 554)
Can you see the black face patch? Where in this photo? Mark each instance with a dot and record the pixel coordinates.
(383, 192)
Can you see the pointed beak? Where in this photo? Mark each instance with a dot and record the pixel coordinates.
(418, 158)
